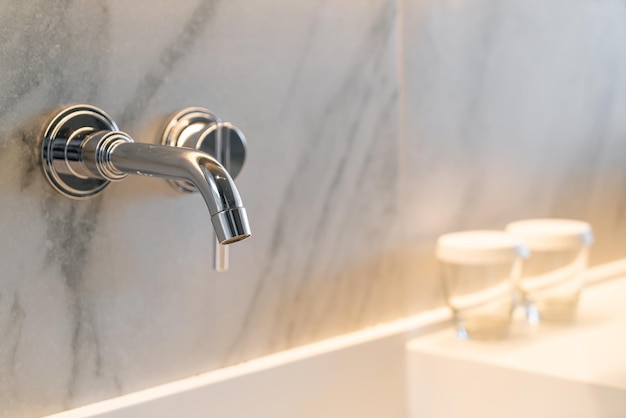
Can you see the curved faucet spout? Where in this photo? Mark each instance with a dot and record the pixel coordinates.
(228, 214)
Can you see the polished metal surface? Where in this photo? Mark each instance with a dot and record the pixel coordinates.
(198, 168)
(82, 151)
(61, 150)
(200, 129)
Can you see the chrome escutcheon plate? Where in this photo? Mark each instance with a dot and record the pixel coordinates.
(60, 149)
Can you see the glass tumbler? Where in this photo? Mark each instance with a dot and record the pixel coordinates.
(479, 271)
(553, 277)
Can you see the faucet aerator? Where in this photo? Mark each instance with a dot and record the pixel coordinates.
(231, 225)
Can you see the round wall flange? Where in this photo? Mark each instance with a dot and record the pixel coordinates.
(61, 149)
(200, 129)
(183, 125)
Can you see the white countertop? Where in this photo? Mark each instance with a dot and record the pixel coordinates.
(558, 364)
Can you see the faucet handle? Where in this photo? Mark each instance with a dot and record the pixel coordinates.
(202, 130)
(224, 142)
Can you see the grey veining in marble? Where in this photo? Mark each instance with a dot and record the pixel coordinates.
(498, 110)
(104, 297)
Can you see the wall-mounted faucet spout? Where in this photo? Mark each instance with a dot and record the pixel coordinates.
(210, 178)
(82, 151)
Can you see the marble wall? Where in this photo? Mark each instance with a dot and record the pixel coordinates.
(515, 109)
(372, 127)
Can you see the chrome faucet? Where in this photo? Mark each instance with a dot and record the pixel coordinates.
(83, 151)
